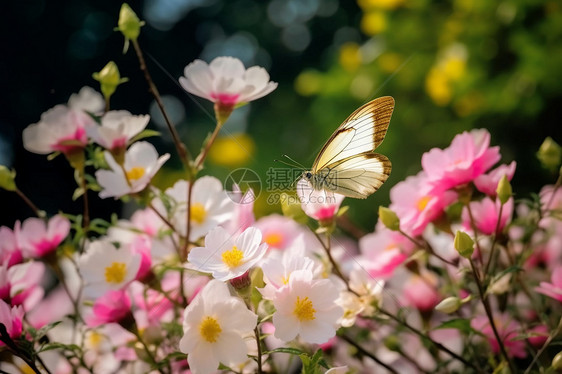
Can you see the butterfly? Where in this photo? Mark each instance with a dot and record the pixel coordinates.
(347, 164)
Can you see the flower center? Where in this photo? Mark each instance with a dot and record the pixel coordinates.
(135, 173)
(304, 310)
(95, 339)
(422, 203)
(233, 257)
(115, 273)
(274, 239)
(198, 213)
(210, 329)
(285, 280)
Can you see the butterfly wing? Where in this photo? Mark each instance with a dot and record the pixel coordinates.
(362, 132)
(358, 176)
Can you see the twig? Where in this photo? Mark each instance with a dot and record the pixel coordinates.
(367, 353)
(258, 342)
(544, 346)
(29, 203)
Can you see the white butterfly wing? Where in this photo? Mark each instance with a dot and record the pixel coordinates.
(361, 132)
(358, 176)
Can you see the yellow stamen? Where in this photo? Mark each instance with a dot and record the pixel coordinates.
(233, 257)
(135, 173)
(422, 203)
(285, 280)
(273, 239)
(115, 273)
(210, 329)
(304, 310)
(95, 339)
(198, 213)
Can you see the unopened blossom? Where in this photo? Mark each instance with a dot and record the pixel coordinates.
(87, 100)
(226, 81)
(38, 238)
(227, 257)
(20, 284)
(306, 307)
(488, 183)
(468, 157)
(554, 288)
(508, 330)
(210, 206)
(117, 129)
(11, 318)
(320, 205)
(140, 166)
(417, 203)
(486, 214)
(215, 325)
(61, 129)
(10, 249)
(105, 267)
(113, 306)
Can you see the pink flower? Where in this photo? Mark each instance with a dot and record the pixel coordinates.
(486, 214)
(279, 232)
(468, 157)
(19, 285)
(507, 330)
(141, 246)
(60, 129)
(10, 249)
(12, 319)
(39, 238)
(416, 204)
(243, 216)
(553, 289)
(383, 251)
(226, 81)
(113, 306)
(538, 335)
(320, 205)
(420, 291)
(488, 183)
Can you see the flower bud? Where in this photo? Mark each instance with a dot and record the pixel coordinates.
(504, 191)
(109, 79)
(464, 244)
(392, 343)
(550, 154)
(449, 305)
(129, 24)
(499, 285)
(557, 361)
(7, 179)
(389, 218)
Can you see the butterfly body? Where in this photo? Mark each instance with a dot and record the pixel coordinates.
(347, 164)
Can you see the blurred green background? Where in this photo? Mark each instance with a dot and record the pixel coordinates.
(450, 65)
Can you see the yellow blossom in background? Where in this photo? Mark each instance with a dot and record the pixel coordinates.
(450, 67)
(373, 23)
(308, 83)
(232, 151)
(437, 87)
(379, 4)
(350, 56)
(389, 61)
(362, 87)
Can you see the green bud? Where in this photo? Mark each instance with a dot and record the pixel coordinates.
(557, 361)
(129, 24)
(392, 343)
(504, 191)
(449, 305)
(109, 79)
(291, 208)
(550, 154)
(389, 218)
(464, 244)
(7, 179)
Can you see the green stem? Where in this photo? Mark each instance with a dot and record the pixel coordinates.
(364, 352)
(201, 158)
(493, 247)
(553, 335)
(33, 207)
(258, 343)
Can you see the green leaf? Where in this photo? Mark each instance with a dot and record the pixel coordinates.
(291, 351)
(461, 324)
(65, 347)
(38, 334)
(147, 133)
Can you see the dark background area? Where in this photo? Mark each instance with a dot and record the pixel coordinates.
(510, 80)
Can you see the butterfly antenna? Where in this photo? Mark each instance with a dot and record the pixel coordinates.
(286, 163)
(295, 162)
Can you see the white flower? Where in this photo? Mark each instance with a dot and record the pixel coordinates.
(306, 307)
(117, 129)
(226, 81)
(321, 205)
(210, 206)
(141, 164)
(87, 100)
(365, 298)
(105, 267)
(225, 257)
(215, 324)
(60, 129)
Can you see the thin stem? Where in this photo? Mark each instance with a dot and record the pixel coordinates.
(182, 150)
(475, 230)
(29, 203)
(426, 336)
(556, 187)
(553, 335)
(185, 249)
(367, 353)
(86, 222)
(201, 158)
(12, 347)
(147, 350)
(493, 247)
(258, 342)
(490, 315)
(425, 245)
(327, 249)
